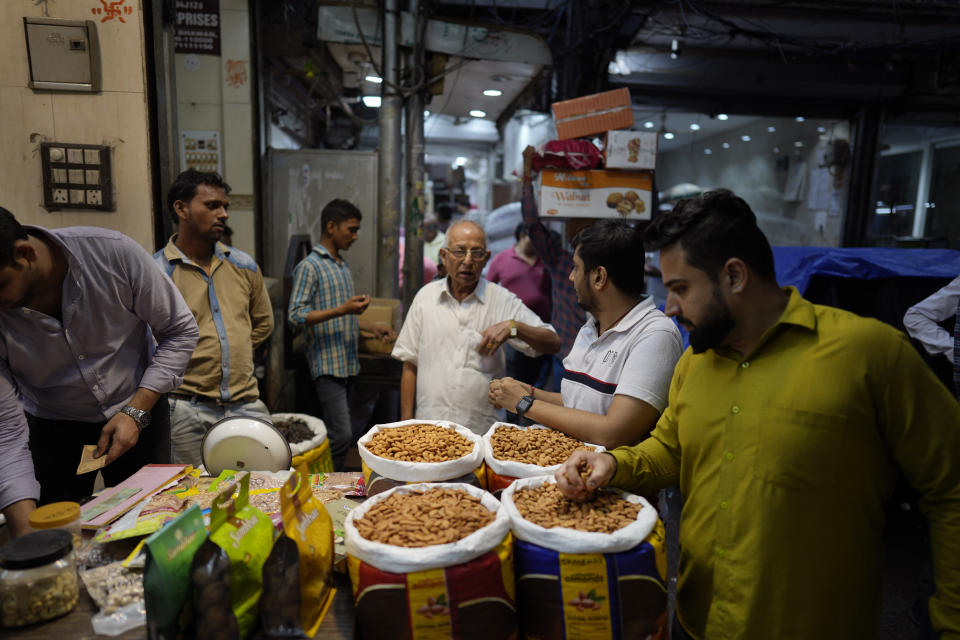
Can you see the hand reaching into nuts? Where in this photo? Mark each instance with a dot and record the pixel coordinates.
(579, 488)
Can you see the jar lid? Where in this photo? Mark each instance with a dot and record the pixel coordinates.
(36, 549)
(55, 514)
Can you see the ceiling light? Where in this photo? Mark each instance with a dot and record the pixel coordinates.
(426, 113)
(694, 126)
(493, 93)
(799, 118)
(745, 138)
(707, 152)
(722, 116)
(476, 113)
(371, 101)
(771, 129)
(620, 64)
(648, 125)
(374, 79)
(798, 144)
(668, 135)
(461, 161)
(776, 149)
(725, 145)
(821, 129)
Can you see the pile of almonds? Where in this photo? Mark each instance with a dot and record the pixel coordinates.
(542, 447)
(425, 518)
(419, 443)
(547, 507)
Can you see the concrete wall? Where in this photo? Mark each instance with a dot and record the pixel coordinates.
(214, 94)
(750, 169)
(117, 116)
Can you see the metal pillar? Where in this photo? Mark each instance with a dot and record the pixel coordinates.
(388, 220)
(862, 173)
(413, 247)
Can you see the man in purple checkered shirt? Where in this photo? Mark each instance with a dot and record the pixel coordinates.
(567, 316)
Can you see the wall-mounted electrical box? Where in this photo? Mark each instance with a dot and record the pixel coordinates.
(76, 176)
(64, 55)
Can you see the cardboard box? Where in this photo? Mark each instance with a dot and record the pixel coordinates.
(630, 150)
(381, 310)
(596, 194)
(593, 114)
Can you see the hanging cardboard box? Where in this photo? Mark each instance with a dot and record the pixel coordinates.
(385, 311)
(593, 114)
(630, 150)
(596, 194)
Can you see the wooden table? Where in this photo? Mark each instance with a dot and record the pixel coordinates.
(337, 624)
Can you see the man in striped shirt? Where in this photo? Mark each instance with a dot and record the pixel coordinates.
(323, 301)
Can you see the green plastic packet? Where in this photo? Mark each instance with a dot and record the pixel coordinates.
(166, 576)
(246, 535)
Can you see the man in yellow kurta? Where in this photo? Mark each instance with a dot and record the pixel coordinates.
(786, 425)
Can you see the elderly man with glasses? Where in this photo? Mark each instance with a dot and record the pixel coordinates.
(450, 341)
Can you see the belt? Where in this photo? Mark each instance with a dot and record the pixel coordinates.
(199, 398)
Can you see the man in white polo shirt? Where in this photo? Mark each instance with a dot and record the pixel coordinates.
(618, 372)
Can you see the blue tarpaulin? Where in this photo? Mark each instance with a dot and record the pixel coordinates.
(797, 265)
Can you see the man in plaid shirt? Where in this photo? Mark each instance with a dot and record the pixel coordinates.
(567, 316)
(323, 302)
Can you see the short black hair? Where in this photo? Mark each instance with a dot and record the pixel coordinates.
(444, 212)
(521, 230)
(618, 247)
(184, 187)
(712, 228)
(338, 211)
(10, 232)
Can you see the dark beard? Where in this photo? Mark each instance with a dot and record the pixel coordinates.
(710, 333)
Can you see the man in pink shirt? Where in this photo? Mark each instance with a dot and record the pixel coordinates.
(522, 272)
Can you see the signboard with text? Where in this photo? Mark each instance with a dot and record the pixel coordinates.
(196, 26)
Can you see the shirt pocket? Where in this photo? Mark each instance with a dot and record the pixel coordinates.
(800, 449)
(475, 361)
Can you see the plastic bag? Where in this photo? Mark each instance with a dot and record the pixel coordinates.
(298, 574)
(571, 155)
(246, 535)
(166, 577)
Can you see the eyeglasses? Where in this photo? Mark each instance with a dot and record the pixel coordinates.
(460, 254)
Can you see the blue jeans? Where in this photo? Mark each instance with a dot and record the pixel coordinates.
(192, 417)
(333, 394)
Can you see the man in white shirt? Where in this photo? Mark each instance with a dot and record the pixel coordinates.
(922, 324)
(617, 375)
(450, 341)
(433, 239)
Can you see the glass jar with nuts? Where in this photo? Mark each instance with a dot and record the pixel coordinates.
(38, 578)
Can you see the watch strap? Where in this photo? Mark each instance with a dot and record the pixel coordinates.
(140, 416)
(513, 328)
(524, 405)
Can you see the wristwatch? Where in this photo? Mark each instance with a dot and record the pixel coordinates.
(524, 405)
(141, 417)
(513, 328)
